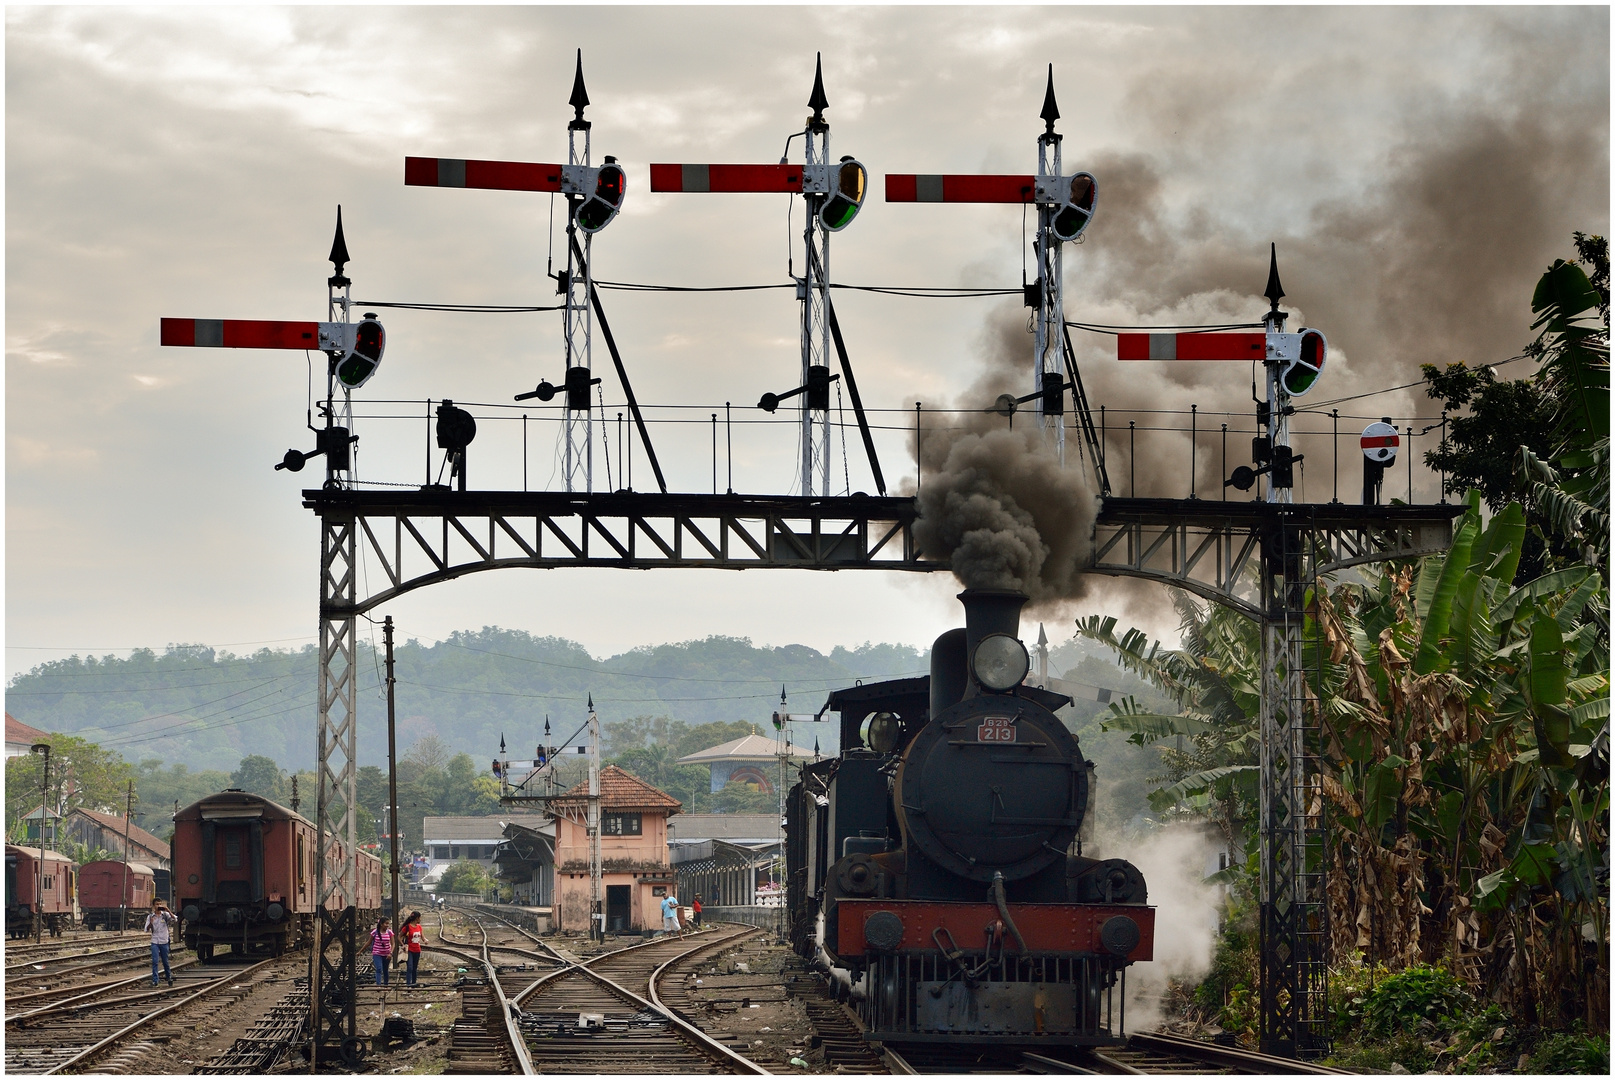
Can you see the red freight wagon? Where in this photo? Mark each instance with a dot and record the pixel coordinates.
(113, 890)
(31, 874)
(243, 875)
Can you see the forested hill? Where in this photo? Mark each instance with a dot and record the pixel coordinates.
(210, 709)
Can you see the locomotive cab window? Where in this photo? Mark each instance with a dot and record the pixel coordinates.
(620, 824)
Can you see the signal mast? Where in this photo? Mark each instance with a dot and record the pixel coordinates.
(594, 194)
(1065, 206)
(834, 193)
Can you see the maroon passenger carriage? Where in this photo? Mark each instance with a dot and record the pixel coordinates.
(27, 880)
(244, 875)
(111, 890)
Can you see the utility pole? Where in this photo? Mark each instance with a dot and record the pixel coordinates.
(123, 898)
(597, 915)
(39, 865)
(392, 762)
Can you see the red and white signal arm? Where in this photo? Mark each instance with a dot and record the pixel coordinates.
(996, 729)
(1380, 442)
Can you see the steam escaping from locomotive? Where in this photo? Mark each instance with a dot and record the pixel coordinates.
(997, 504)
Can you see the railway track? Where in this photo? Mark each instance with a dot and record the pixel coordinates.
(1144, 1054)
(64, 963)
(617, 1012)
(109, 1031)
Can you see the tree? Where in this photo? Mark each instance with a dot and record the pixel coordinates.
(427, 752)
(261, 776)
(740, 798)
(464, 876)
(158, 789)
(82, 773)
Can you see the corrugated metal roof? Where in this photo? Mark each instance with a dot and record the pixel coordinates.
(490, 829)
(723, 827)
(745, 748)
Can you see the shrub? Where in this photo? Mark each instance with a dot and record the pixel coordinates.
(1420, 997)
(1571, 1052)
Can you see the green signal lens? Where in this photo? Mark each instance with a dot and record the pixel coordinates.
(1069, 223)
(594, 214)
(1299, 379)
(838, 213)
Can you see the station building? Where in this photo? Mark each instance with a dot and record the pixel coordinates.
(636, 873)
(750, 759)
(726, 859)
(449, 840)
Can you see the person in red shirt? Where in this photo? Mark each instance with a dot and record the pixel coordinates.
(695, 909)
(414, 936)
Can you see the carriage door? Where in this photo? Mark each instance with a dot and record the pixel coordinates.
(12, 898)
(238, 861)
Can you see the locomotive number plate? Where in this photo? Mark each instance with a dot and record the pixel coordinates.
(996, 729)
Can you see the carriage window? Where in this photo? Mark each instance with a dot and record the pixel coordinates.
(299, 860)
(232, 852)
(620, 824)
(50, 882)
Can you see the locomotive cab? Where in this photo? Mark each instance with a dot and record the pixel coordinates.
(937, 862)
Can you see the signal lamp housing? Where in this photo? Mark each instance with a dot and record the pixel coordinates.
(610, 184)
(1000, 662)
(1074, 213)
(1304, 368)
(363, 356)
(848, 187)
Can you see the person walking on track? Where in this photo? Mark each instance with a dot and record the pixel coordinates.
(157, 925)
(670, 915)
(381, 948)
(414, 936)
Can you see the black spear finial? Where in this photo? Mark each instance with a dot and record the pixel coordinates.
(591, 702)
(580, 96)
(339, 251)
(816, 100)
(1274, 290)
(1051, 111)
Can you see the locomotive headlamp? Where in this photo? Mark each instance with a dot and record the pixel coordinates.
(881, 731)
(1000, 662)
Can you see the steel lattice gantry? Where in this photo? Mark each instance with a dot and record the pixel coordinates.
(1263, 559)
(1260, 558)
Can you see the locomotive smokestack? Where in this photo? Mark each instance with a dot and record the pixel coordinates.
(989, 611)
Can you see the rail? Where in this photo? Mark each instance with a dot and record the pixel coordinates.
(507, 1013)
(226, 978)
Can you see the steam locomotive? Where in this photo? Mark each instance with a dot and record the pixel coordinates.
(935, 867)
(244, 875)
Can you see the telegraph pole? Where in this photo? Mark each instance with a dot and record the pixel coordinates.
(392, 762)
(39, 864)
(123, 898)
(597, 915)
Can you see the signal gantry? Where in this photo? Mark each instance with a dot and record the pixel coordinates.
(834, 193)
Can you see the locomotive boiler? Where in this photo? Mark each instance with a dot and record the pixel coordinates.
(936, 867)
(243, 875)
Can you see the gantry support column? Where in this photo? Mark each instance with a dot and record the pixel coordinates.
(1294, 942)
(333, 962)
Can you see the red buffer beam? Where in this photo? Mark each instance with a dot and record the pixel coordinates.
(1191, 346)
(933, 187)
(767, 178)
(464, 173)
(241, 334)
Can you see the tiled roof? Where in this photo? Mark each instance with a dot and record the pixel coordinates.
(691, 827)
(745, 748)
(19, 732)
(489, 829)
(620, 790)
(115, 823)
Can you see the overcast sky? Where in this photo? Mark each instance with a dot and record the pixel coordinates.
(1418, 168)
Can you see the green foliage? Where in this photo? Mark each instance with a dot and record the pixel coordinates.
(261, 776)
(464, 876)
(159, 788)
(81, 774)
(1229, 991)
(1571, 1053)
(739, 798)
(1421, 998)
(212, 709)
